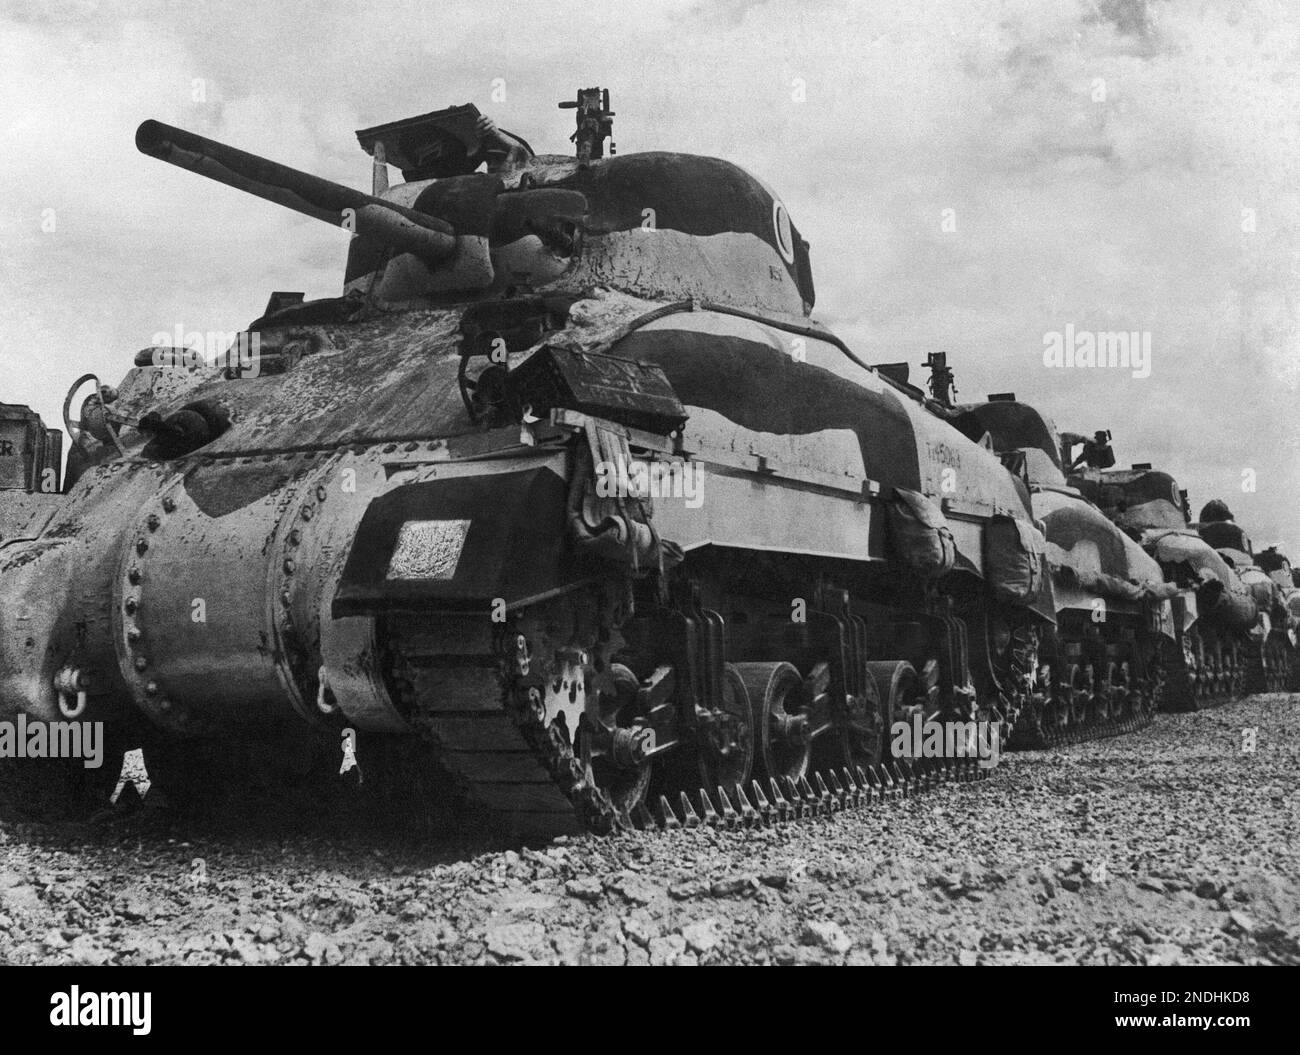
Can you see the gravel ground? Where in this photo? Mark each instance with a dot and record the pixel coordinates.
(1172, 845)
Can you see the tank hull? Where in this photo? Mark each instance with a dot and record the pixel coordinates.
(232, 591)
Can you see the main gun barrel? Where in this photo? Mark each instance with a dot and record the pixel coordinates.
(405, 229)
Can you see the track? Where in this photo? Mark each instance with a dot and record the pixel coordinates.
(1069, 714)
(1208, 674)
(488, 709)
(497, 707)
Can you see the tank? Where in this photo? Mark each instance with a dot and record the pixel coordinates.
(563, 511)
(1113, 608)
(1275, 661)
(1277, 566)
(1218, 646)
(1227, 608)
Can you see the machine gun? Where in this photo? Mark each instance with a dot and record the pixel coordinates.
(595, 123)
(1097, 452)
(942, 384)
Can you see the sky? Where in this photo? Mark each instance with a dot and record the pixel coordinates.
(972, 176)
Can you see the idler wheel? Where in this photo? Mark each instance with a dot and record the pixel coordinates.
(783, 744)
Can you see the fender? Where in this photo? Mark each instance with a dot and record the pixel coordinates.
(461, 544)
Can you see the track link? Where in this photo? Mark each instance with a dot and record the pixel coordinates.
(827, 793)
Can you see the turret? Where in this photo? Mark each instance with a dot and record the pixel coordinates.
(660, 226)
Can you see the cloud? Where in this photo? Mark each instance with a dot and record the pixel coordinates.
(1100, 160)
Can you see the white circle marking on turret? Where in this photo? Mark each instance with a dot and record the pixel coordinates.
(784, 236)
